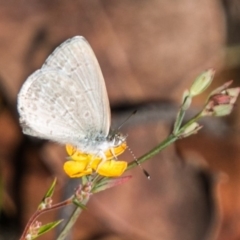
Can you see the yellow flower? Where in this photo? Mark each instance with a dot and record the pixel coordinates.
(81, 164)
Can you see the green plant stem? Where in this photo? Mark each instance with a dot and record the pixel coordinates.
(192, 120)
(179, 120)
(169, 140)
(40, 212)
(71, 221)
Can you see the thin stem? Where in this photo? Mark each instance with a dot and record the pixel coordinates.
(169, 140)
(179, 120)
(40, 212)
(71, 221)
(192, 120)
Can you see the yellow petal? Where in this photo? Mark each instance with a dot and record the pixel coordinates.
(94, 163)
(77, 168)
(77, 155)
(112, 152)
(83, 164)
(111, 168)
(70, 149)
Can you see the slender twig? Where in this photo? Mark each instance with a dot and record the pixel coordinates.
(169, 140)
(71, 221)
(40, 212)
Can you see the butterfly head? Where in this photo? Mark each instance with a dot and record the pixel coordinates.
(116, 138)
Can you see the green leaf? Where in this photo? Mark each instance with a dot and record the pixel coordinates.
(47, 227)
(48, 195)
(84, 180)
(51, 189)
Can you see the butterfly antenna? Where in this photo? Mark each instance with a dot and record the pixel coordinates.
(139, 164)
(134, 112)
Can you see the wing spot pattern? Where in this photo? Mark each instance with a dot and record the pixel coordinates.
(86, 114)
(72, 100)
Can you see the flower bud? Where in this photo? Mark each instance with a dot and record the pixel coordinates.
(187, 100)
(221, 101)
(233, 93)
(222, 110)
(221, 88)
(33, 230)
(202, 82)
(48, 201)
(191, 129)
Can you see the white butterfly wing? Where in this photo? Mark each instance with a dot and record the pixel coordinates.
(66, 101)
(77, 59)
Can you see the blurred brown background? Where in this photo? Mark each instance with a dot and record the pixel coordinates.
(149, 52)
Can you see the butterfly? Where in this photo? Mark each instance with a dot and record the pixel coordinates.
(66, 101)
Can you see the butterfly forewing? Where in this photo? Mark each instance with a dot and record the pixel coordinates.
(66, 100)
(77, 59)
